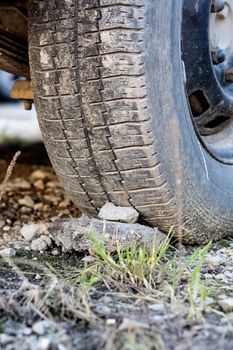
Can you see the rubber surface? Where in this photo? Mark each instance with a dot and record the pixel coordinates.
(109, 92)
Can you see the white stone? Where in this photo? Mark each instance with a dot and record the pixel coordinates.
(214, 260)
(157, 307)
(38, 277)
(30, 231)
(111, 322)
(111, 212)
(5, 339)
(8, 252)
(39, 327)
(17, 246)
(41, 244)
(44, 343)
(219, 276)
(27, 331)
(226, 304)
(55, 252)
(229, 275)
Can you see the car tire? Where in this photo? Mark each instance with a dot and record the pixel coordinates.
(109, 88)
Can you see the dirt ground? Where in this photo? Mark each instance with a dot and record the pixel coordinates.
(46, 303)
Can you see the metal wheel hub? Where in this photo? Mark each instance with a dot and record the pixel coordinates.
(207, 53)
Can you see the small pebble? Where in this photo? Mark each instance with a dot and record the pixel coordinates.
(27, 201)
(110, 322)
(30, 231)
(39, 327)
(38, 174)
(44, 343)
(38, 277)
(5, 339)
(41, 244)
(55, 252)
(226, 304)
(111, 212)
(213, 260)
(8, 252)
(27, 331)
(39, 184)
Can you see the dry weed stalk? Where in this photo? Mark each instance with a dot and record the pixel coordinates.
(8, 174)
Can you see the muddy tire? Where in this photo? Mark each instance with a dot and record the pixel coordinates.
(109, 90)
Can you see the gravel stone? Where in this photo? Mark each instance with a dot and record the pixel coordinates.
(111, 322)
(226, 304)
(8, 252)
(38, 277)
(39, 184)
(214, 260)
(38, 175)
(5, 339)
(55, 252)
(39, 327)
(111, 212)
(21, 184)
(27, 201)
(30, 231)
(44, 343)
(27, 331)
(41, 244)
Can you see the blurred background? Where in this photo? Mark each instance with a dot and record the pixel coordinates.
(16, 124)
(19, 129)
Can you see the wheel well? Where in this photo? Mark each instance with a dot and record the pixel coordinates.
(14, 37)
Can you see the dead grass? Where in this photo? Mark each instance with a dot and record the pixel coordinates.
(136, 273)
(8, 174)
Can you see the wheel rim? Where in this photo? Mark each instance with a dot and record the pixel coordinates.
(207, 53)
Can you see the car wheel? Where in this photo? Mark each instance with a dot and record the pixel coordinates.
(135, 104)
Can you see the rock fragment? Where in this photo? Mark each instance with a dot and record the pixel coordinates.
(5, 339)
(27, 201)
(20, 183)
(44, 343)
(30, 231)
(214, 260)
(38, 174)
(8, 252)
(226, 304)
(39, 327)
(75, 234)
(111, 212)
(39, 184)
(41, 244)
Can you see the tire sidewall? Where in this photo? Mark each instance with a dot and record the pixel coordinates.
(205, 181)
